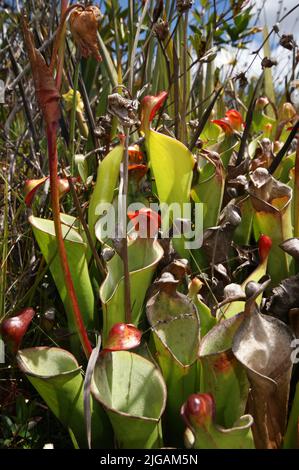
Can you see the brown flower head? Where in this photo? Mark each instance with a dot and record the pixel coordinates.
(84, 24)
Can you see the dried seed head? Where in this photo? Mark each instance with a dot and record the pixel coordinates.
(184, 5)
(287, 41)
(161, 29)
(84, 24)
(241, 78)
(267, 63)
(124, 109)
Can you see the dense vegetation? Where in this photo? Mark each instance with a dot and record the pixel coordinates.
(144, 337)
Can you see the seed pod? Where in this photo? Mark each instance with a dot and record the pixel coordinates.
(287, 41)
(184, 5)
(267, 63)
(84, 24)
(161, 29)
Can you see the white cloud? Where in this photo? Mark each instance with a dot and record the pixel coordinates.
(268, 12)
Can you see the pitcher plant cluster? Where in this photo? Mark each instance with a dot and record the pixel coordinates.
(171, 236)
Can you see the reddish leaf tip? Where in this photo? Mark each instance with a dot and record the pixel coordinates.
(264, 245)
(14, 328)
(224, 124)
(146, 222)
(122, 336)
(150, 106)
(199, 408)
(30, 188)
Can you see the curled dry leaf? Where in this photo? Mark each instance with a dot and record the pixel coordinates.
(267, 193)
(125, 109)
(217, 240)
(14, 328)
(184, 5)
(294, 321)
(46, 92)
(291, 246)
(262, 345)
(84, 23)
(233, 292)
(178, 268)
(263, 155)
(284, 297)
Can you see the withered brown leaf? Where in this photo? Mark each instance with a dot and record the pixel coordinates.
(262, 345)
(84, 24)
(45, 88)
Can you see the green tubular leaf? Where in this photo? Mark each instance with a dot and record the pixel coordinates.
(291, 438)
(211, 133)
(107, 178)
(260, 120)
(278, 227)
(209, 191)
(243, 231)
(282, 172)
(175, 325)
(144, 255)
(172, 164)
(207, 321)
(226, 149)
(133, 392)
(57, 377)
(239, 436)
(44, 233)
(221, 374)
(82, 165)
(271, 201)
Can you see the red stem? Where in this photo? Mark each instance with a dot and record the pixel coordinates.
(53, 167)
